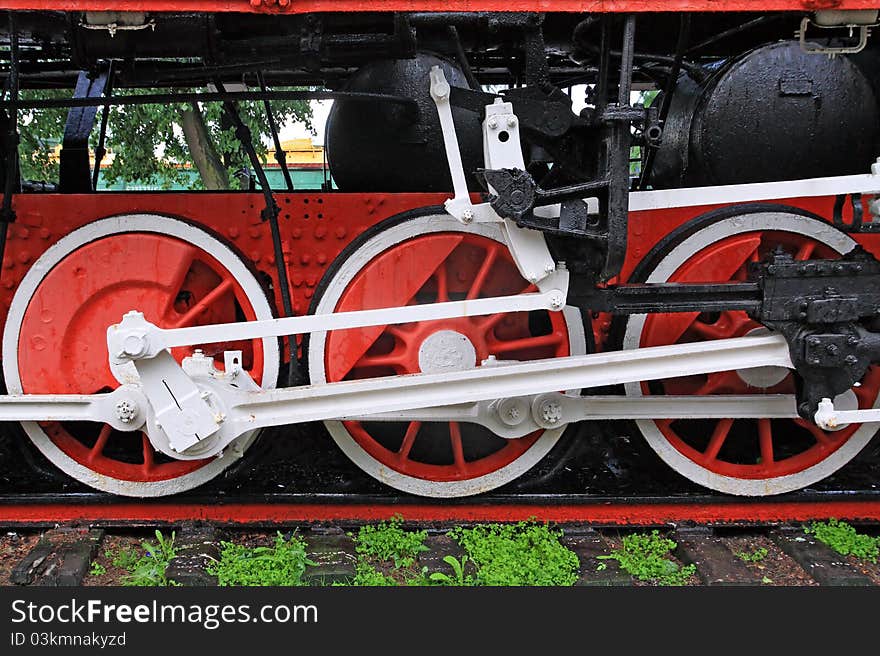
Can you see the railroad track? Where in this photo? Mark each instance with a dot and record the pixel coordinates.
(780, 554)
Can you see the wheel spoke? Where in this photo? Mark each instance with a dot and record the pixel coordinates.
(483, 273)
(409, 439)
(182, 265)
(765, 439)
(390, 360)
(210, 298)
(501, 346)
(805, 251)
(715, 382)
(822, 438)
(441, 276)
(457, 449)
(709, 330)
(147, 450)
(737, 323)
(722, 430)
(101, 442)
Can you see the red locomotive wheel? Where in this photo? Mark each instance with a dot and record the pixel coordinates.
(744, 456)
(55, 339)
(426, 260)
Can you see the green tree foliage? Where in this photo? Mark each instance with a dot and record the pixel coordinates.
(147, 141)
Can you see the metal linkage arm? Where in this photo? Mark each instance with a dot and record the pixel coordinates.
(134, 338)
(123, 409)
(277, 407)
(516, 417)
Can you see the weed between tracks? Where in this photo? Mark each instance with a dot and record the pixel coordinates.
(526, 553)
(141, 569)
(845, 540)
(284, 563)
(644, 556)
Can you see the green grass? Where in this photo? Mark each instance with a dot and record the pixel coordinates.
(145, 568)
(845, 540)
(282, 564)
(525, 553)
(755, 556)
(644, 556)
(389, 542)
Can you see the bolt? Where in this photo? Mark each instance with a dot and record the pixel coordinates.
(852, 340)
(467, 216)
(851, 359)
(813, 341)
(556, 301)
(831, 349)
(126, 411)
(134, 345)
(492, 124)
(511, 122)
(551, 412)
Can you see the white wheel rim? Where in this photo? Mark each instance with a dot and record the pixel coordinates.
(317, 374)
(731, 226)
(151, 223)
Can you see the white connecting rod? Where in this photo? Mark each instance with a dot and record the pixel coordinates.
(248, 411)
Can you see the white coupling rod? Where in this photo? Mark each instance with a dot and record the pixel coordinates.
(135, 338)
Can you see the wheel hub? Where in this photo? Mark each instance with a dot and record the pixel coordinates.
(762, 377)
(446, 350)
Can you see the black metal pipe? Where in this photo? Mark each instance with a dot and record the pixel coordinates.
(280, 155)
(626, 60)
(462, 59)
(7, 214)
(269, 214)
(163, 98)
(671, 82)
(100, 151)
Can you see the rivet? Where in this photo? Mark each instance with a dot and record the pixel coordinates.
(322, 259)
(320, 232)
(44, 233)
(255, 256)
(24, 257)
(311, 281)
(305, 258)
(308, 293)
(296, 233)
(233, 232)
(341, 233)
(254, 233)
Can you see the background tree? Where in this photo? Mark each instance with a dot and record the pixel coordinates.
(156, 144)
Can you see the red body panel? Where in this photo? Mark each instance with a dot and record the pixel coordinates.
(313, 6)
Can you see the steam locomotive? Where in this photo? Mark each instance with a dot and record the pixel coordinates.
(540, 218)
